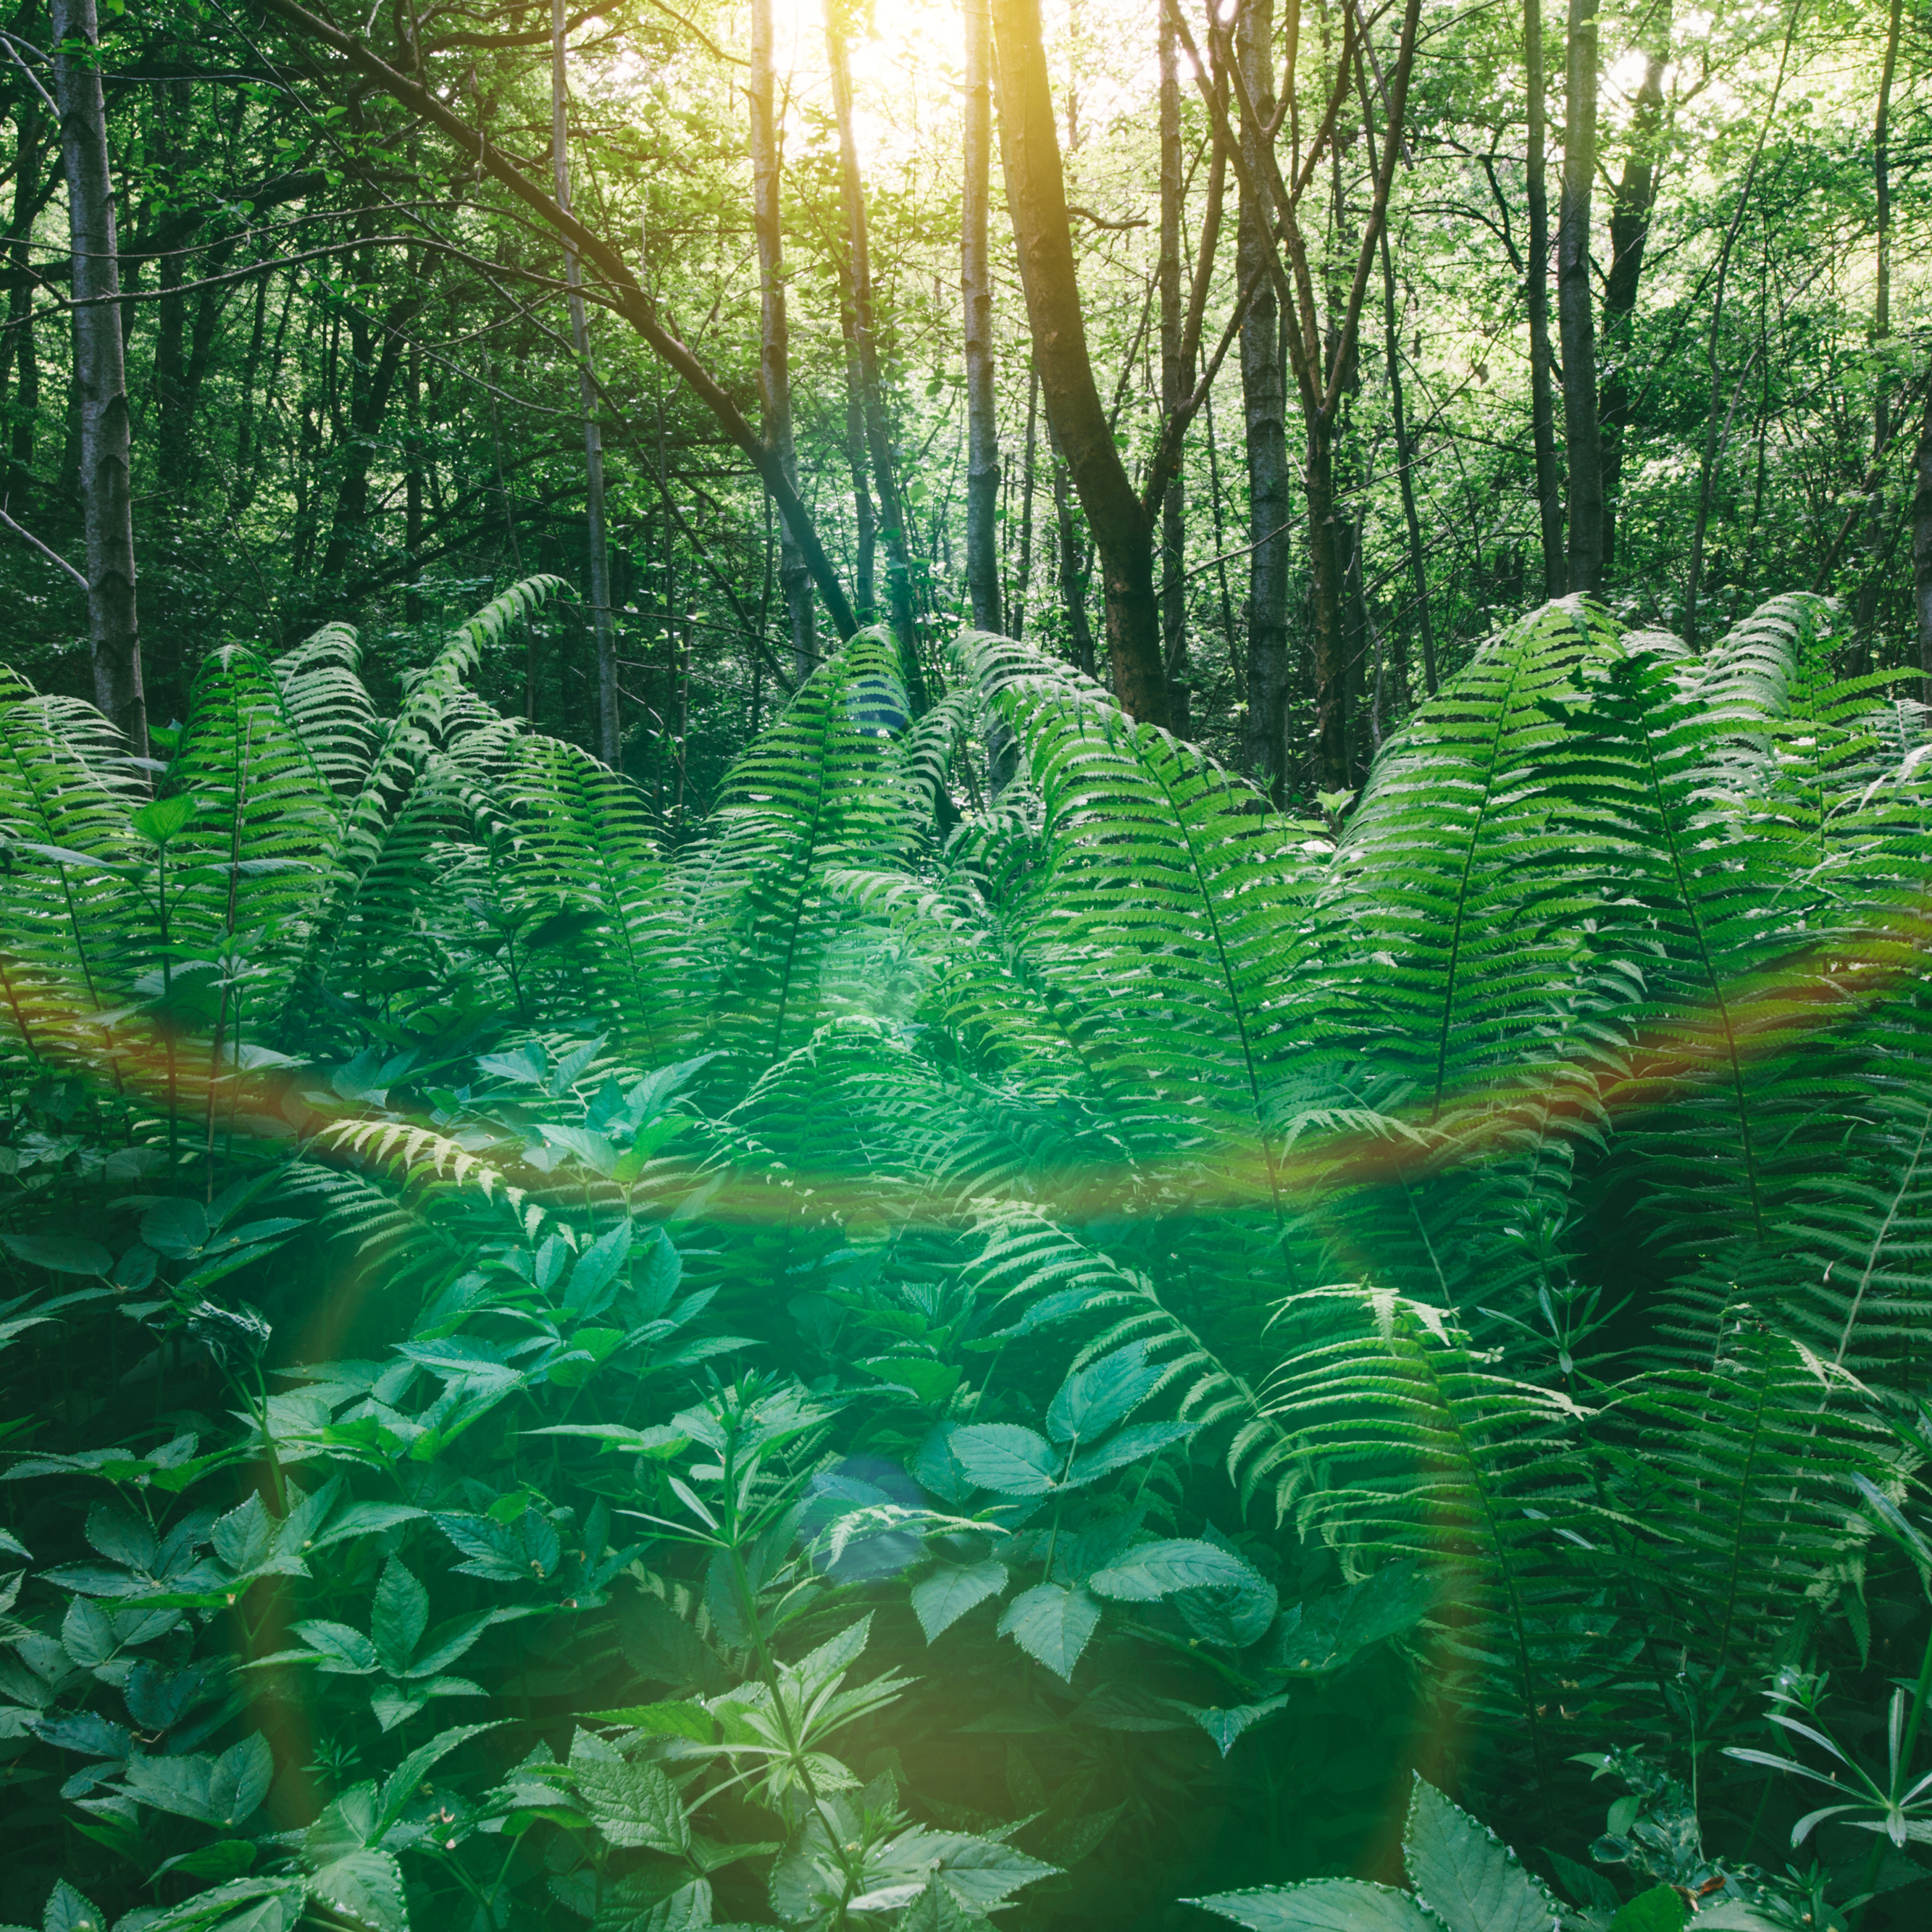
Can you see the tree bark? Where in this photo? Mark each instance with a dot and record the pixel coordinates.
(1921, 547)
(1175, 382)
(899, 610)
(1266, 753)
(17, 347)
(1036, 197)
(412, 485)
(1631, 207)
(1405, 456)
(865, 517)
(1070, 552)
(1016, 612)
(1868, 592)
(1716, 418)
(976, 290)
(774, 337)
(1576, 302)
(106, 491)
(1542, 403)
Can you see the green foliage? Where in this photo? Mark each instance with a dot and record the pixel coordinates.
(880, 1364)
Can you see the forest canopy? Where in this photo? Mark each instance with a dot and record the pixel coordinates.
(964, 966)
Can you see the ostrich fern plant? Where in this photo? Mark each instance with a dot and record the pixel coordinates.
(939, 1288)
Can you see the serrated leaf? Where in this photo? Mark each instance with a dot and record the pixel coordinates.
(1320, 1905)
(68, 1910)
(1153, 1570)
(400, 1616)
(1465, 1874)
(1003, 1457)
(1225, 1725)
(941, 1599)
(634, 1804)
(1052, 1625)
(61, 1254)
(1661, 1909)
(1092, 1400)
(365, 1886)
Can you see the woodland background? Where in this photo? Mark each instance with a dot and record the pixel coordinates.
(350, 393)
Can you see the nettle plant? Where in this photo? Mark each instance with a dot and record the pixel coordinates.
(915, 1352)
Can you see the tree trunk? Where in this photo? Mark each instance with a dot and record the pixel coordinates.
(1175, 382)
(1017, 609)
(412, 485)
(774, 339)
(899, 609)
(866, 518)
(1405, 457)
(1868, 592)
(976, 290)
(1921, 547)
(17, 347)
(1036, 197)
(1630, 207)
(1716, 419)
(1266, 751)
(1072, 568)
(1542, 403)
(610, 736)
(106, 492)
(1576, 302)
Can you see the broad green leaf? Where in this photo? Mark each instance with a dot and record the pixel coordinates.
(1661, 1909)
(240, 1781)
(591, 1280)
(226, 1858)
(1156, 1569)
(161, 820)
(69, 1911)
(1322, 1905)
(1052, 1624)
(63, 1254)
(1225, 1725)
(1092, 1400)
(365, 1886)
(343, 1649)
(1465, 1874)
(634, 1804)
(177, 1227)
(940, 1600)
(1130, 1445)
(400, 1615)
(1003, 1457)
(1322, 1633)
(401, 1785)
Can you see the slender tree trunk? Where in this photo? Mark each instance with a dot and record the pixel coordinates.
(1175, 382)
(106, 483)
(1576, 302)
(775, 346)
(1220, 541)
(976, 290)
(1868, 593)
(863, 514)
(1017, 614)
(1921, 547)
(1542, 398)
(610, 736)
(1036, 197)
(1265, 749)
(17, 347)
(412, 485)
(1716, 417)
(899, 607)
(1405, 457)
(1073, 569)
(1630, 208)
